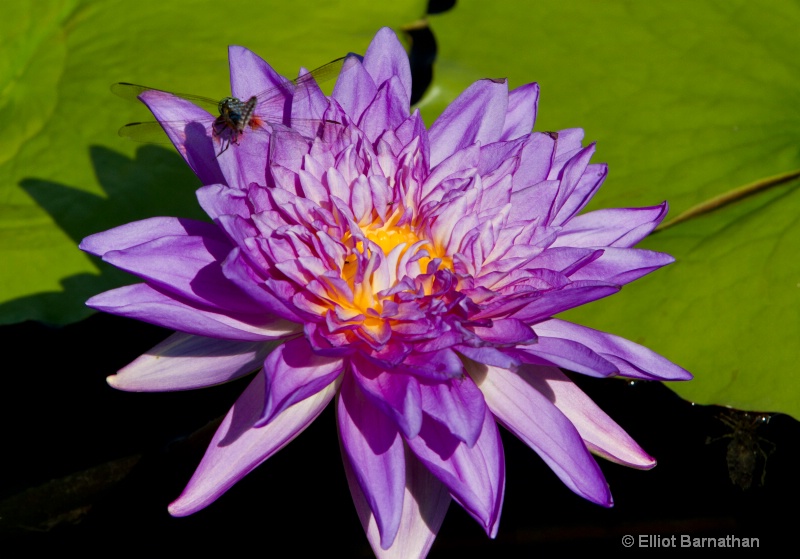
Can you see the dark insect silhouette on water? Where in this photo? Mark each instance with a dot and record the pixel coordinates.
(746, 449)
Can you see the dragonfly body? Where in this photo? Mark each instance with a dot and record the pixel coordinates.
(235, 116)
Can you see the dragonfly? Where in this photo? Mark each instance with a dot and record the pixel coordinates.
(236, 116)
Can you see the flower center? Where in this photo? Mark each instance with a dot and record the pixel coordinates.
(389, 235)
(394, 241)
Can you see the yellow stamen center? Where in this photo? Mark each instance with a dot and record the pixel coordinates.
(388, 235)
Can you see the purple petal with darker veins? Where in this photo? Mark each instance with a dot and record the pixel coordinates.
(189, 129)
(147, 304)
(188, 267)
(475, 476)
(632, 360)
(436, 365)
(394, 393)
(458, 405)
(373, 449)
(622, 265)
(139, 232)
(219, 199)
(251, 75)
(355, 93)
(477, 115)
(564, 353)
(239, 271)
(386, 58)
(536, 158)
(425, 502)
(461, 164)
(238, 448)
(185, 362)
(537, 422)
(616, 227)
(554, 302)
(308, 103)
(506, 331)
(570, 178)
(522, 104)
(293, 373)
(587, 186)
(490, 356)
(386, 111)
(600, 433)
(243, 163)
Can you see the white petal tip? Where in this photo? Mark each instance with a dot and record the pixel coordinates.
(179, 509)
(113, 382)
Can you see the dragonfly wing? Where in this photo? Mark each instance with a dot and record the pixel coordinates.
(149, 132)
(322, 74)
(132, 91)
(176, 113)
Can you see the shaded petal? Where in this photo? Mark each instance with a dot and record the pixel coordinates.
(507, 331)
(238, 270)
(490, 356)
(147, 304)
(437, 365)
(293, 373)
(373, 452)
(458, 405)
(189, 267)
(565, 353)
(243, 163)
(601, 434)
(184, 362)
(475, 476)
(632, 359)
(189, 129)
(554, 302)
(396, 394)
(237, 447)
(537, 422)
(425, 503)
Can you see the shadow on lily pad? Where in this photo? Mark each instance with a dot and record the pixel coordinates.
(156, 182)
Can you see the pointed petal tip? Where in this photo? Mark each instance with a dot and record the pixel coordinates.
(179, 509)
(85, 245)
(603, 498)
(676, 373)
(638, 461)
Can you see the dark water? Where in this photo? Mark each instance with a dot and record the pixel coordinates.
(88, 467)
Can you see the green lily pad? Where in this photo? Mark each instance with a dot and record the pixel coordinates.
(689, 101)
(64, 172)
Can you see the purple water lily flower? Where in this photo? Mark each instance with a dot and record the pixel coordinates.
(409, 274)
